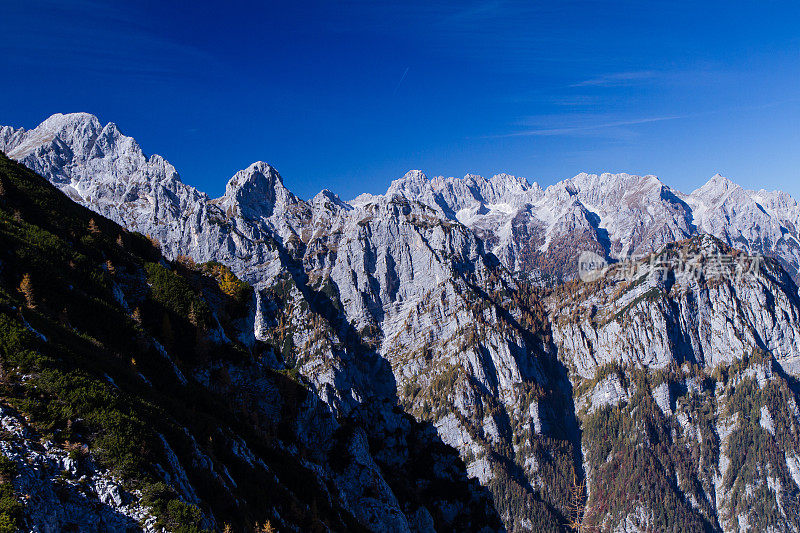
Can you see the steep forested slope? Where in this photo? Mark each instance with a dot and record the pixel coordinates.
(134, 395)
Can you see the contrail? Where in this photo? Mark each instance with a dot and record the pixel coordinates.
(399, 82)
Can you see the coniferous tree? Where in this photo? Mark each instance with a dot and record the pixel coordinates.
(578, 510)
(26, 288)
(266, 527)
(93, 227)
(194, 318)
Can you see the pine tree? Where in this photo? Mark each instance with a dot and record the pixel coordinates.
(579, 511)
(110, 268)
(120, 242)
(26, 288)
(137, 315)
(266, 527)
(193, 316)
(2, 188)
(93, 227)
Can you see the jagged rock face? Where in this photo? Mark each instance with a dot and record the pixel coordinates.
(639, 214)
(227, 438)
(763, 222)
(690, 369)
(408, 299)
(617, 215)
(354, 292)
(661, 317)
(528, 228)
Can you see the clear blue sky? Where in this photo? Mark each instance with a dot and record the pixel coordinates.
(349, 95)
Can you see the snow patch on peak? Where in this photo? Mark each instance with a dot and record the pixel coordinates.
(503, 208)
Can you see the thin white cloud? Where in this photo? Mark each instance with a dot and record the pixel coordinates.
(590, 127)
(617, 79)
(603, 124)
(405, 72)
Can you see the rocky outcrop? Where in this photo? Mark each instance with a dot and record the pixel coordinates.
(711, 315)
(62, 489)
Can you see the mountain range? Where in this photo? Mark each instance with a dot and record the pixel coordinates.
(526, 227)
(449, 311)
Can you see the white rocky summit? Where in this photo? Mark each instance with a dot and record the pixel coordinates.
(619, 215)
(455, 299)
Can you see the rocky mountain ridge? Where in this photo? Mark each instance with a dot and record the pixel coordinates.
(445, 298)
(618, 215)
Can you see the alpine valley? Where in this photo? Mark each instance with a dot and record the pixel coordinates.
(423, 360)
